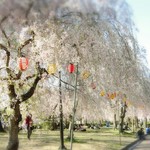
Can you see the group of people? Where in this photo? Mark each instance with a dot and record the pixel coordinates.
(28, 123)
(140, 132)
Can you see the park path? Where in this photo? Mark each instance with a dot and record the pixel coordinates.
(142, 145)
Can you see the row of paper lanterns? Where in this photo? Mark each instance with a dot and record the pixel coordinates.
(24, 62)
(52, 68)
(108, 95)
(112, 96)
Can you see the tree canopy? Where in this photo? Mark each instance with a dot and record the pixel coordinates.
(99, 35)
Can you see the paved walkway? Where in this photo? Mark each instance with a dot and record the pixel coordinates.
(142, 145)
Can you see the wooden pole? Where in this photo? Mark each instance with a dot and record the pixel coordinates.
(62, 147)
(74, 107)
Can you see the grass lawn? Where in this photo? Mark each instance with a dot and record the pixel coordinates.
(103, 139)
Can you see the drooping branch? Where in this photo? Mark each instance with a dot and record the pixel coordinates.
(123, 40)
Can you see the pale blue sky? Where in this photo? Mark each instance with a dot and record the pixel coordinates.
(141, 16)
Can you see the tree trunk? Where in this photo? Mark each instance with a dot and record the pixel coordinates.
(121, 125)
(136, 123)
(1, 127)
(13, 143)
(145, 122)
(66, 124)
(13, 135)
(133, 125)
(122, 116)
(70, 124)
(53, 123)
(115, 122)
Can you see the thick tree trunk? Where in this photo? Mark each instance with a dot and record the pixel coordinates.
(121, 124)
(13, 143)
(13, 135)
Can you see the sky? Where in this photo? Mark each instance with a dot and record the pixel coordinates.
(141, 16)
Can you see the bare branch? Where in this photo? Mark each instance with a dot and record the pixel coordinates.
(3, 31)
(3, 19)
(30, 77)
(12, 75)
(3, 47)
(3, 79)
(26, 43)
(28, 11)
(30, 92)
(2, 68)
(18, 75)
(5, 35)
(7, 53)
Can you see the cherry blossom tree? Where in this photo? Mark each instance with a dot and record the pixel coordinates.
(91, 33)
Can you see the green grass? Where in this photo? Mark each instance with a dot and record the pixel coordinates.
(103, 139)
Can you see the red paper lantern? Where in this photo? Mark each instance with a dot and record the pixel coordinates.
(71, 68)
(23, 63)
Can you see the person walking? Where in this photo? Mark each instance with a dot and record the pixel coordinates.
(29, 123)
